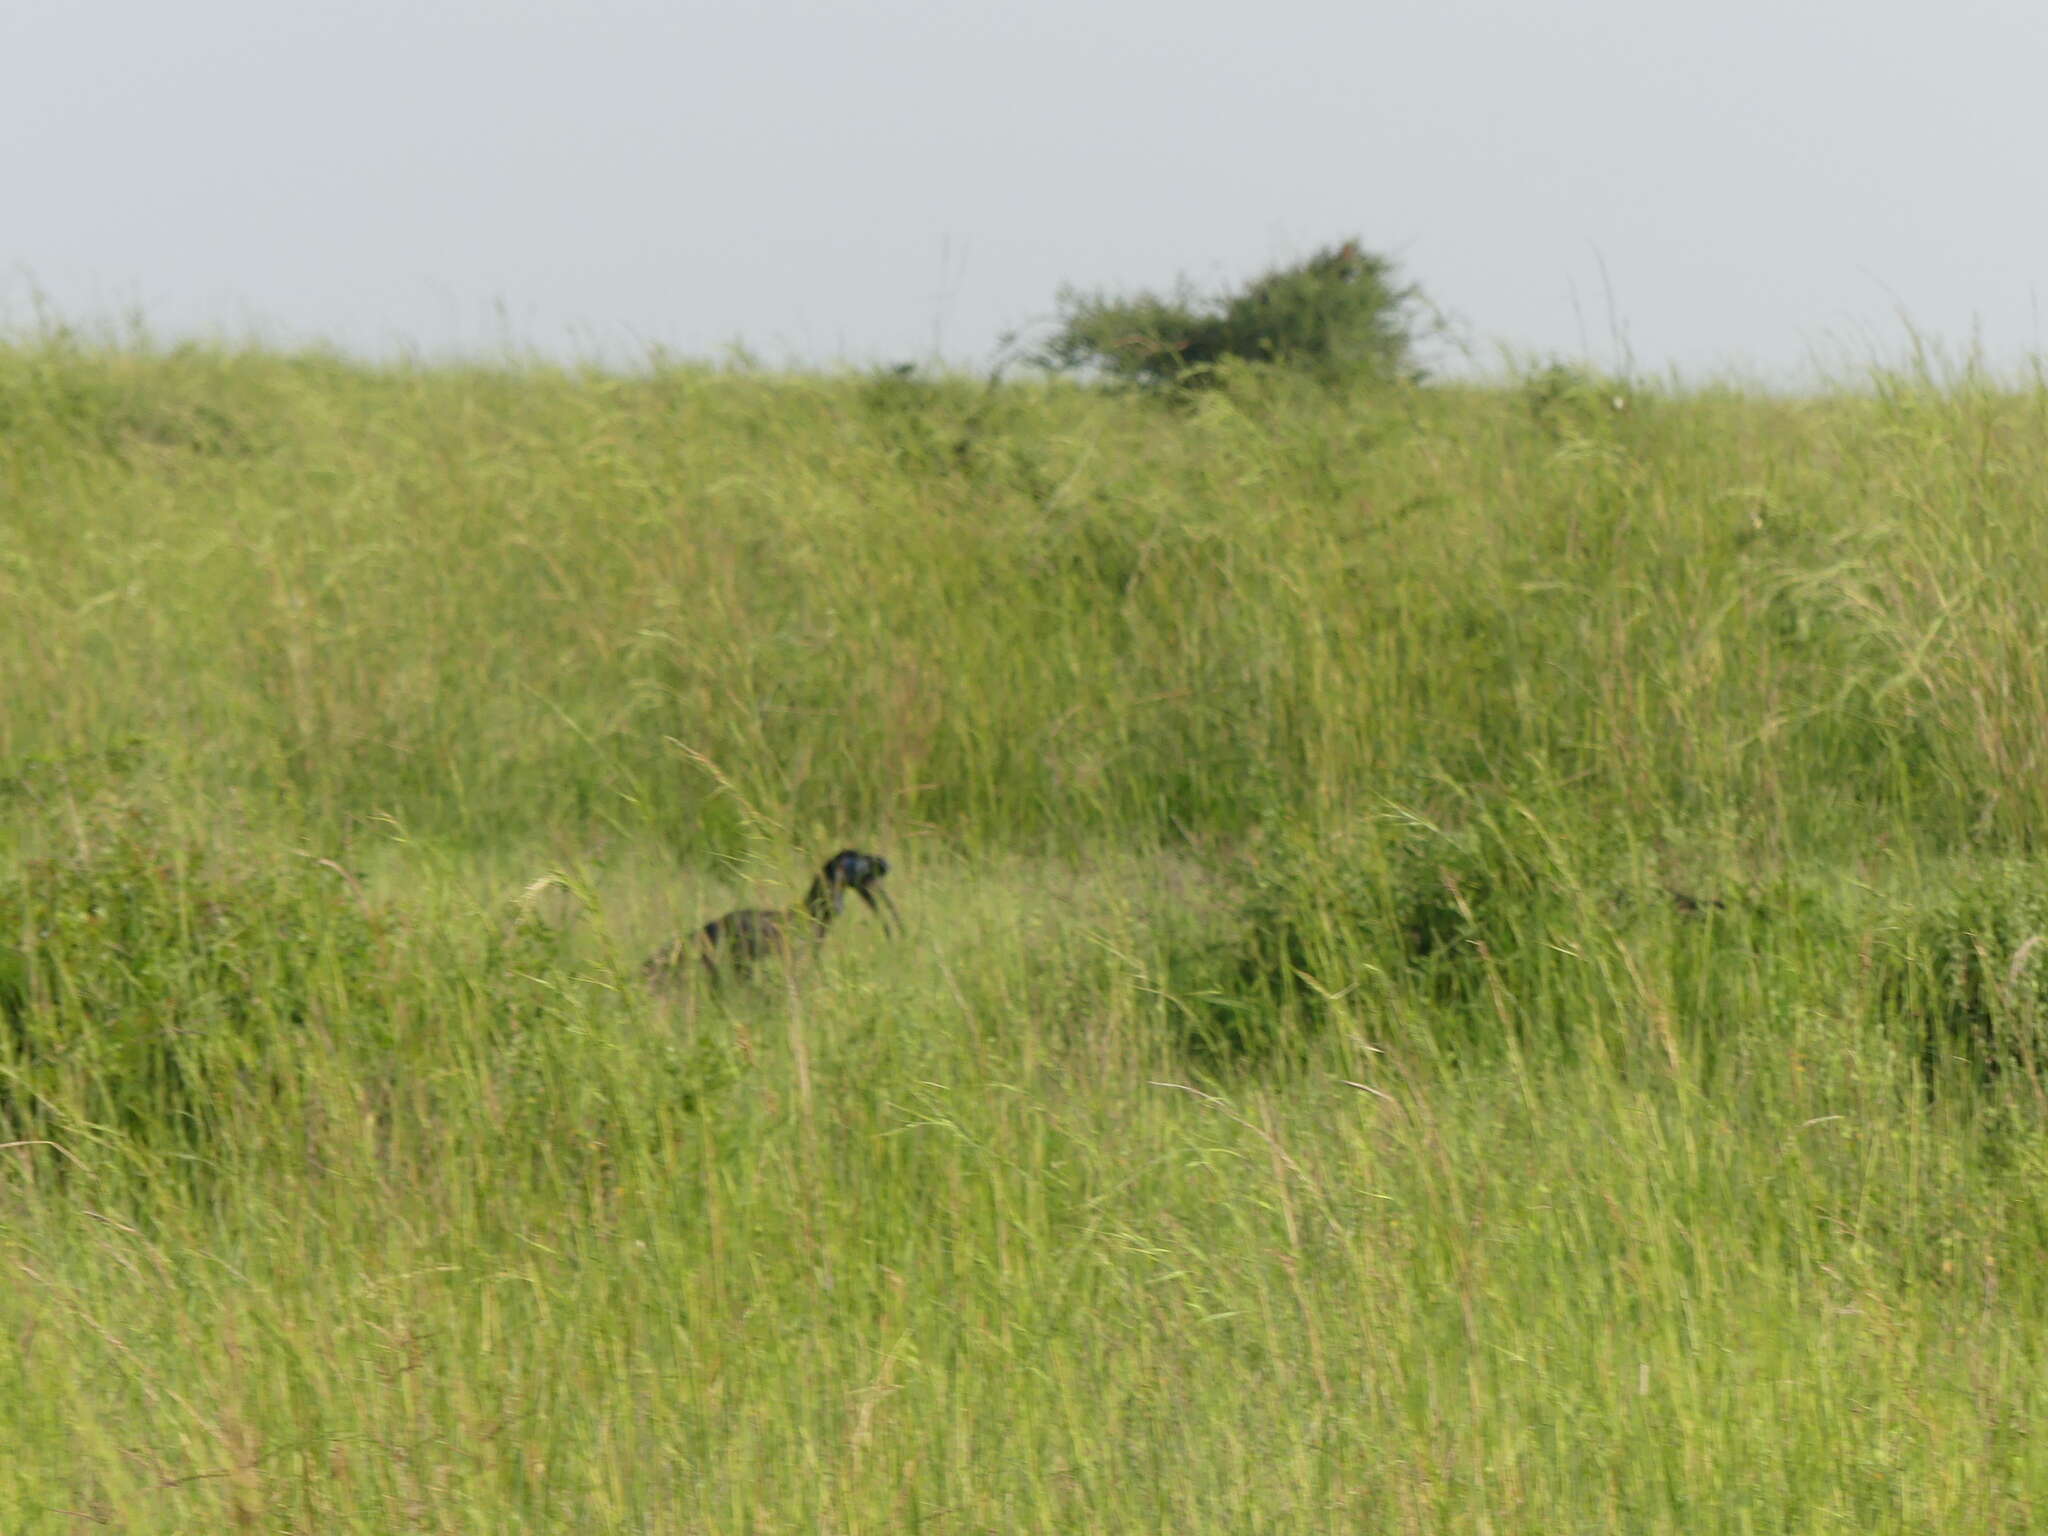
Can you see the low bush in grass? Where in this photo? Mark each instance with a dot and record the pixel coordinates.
(183, 1000)
(155, 989)
(1396, 917)
(1962, 970)
(1462, 945)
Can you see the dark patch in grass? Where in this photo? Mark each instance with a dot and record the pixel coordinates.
(1414, 909)
(1965, 971)
(37, 778)
(150, 986)
(97, 401)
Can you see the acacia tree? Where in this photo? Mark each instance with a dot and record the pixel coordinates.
(1342, 315)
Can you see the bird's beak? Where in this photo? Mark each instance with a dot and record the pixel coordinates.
(868, 894)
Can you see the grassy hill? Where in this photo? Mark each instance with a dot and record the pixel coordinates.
(1471, 955)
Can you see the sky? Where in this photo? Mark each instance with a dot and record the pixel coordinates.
(1758, 190)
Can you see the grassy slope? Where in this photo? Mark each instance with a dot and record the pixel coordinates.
(429, 1221)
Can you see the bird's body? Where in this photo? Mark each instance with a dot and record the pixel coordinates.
(741, 939)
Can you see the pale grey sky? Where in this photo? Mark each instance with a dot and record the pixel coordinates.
(1737, 187)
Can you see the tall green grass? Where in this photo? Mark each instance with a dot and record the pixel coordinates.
(1471, 960)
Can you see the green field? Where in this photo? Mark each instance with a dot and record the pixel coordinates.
(1468, 968)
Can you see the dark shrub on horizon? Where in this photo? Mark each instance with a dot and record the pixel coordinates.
(1342, 316)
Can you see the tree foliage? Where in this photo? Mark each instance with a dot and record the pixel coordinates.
(1341, 315)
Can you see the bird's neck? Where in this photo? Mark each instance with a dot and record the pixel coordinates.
(819, 905)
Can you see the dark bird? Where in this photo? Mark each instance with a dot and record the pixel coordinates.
(736, 941)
